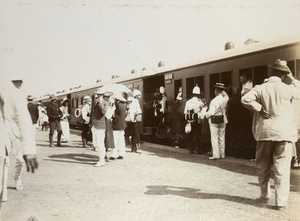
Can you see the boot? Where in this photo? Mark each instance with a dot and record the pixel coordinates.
(58, 139)
(51, 140)
(84, 144)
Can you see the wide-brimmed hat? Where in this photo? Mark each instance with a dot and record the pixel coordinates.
(220, 86)
(280, 65)
(30, 98)
(136, 92)
(52, 97)
(64, 100)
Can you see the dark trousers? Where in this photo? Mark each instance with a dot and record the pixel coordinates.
(86, 132)
(194, 137)
(54, 125)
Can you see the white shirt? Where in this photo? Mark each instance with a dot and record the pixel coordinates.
(134, 109)
(218, 106)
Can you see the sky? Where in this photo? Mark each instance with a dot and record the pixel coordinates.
(57, 44)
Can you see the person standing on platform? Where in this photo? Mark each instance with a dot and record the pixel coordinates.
(64, 121)
(129, 126)
(86, 114)
(192, 111)
(14, 121)
(119, 125)
(274, 128)
(34, 112)
(136, 117)
(54, 114)
(99, 109)
(217, 110)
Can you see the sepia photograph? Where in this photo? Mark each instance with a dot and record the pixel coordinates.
(139, 110)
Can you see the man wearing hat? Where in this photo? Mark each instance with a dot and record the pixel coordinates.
(217, 109)
(33, 109)
(99, 109)
(274, 129)
(86, 114)
(54, 114)
(192, 108)
(135, 112)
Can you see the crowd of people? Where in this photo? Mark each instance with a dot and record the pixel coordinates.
(112, 120)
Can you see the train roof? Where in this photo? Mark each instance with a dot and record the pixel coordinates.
(240, 51)
(226, 54)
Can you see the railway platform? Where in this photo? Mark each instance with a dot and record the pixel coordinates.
(159, 183)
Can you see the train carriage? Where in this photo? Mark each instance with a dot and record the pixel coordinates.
(225, 67)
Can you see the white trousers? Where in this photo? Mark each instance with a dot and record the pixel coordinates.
(217, 133)
(119, 139)
(98, 142)
(278, 154)
(65, 130)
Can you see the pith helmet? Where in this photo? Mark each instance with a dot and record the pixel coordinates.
(196, 90)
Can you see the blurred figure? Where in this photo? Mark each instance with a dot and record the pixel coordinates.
(64, 121)
(246, 84)
(274, 128)
(99, 109)
(45, 120)
(33, 109)
(192, 110)
(109, 135)
(119, 125)
(129, 125)
(85, 127)
(136, 117)
(217, 109)
(160, 109)
(15, 123)
(54, 114)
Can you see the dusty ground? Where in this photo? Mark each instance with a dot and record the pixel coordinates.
(160, 183)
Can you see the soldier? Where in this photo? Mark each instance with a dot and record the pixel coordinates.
(192, 111)
(54, 114)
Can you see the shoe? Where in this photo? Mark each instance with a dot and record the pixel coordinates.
(112, 158)
(212, 158)
(222, 157)
(263, 200)
(19, 185)
(59, 145)
(4, 195)
(100, 164)
(120, 158)
(279, 208)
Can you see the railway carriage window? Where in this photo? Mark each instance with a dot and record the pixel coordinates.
(81, 100)
(226, 79)
(291, 65)
(260, 74)
(76, 102)
(297, 72)
(200, 82)
(213, 79)
(73, 102)
(177, 85)
(189, 87)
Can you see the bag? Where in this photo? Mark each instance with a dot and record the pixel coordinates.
(217, 119)
(188, 128)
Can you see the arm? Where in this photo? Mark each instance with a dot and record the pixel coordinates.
(249, 101)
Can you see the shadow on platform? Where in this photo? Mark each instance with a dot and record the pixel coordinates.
(197, 194)
(74, 158)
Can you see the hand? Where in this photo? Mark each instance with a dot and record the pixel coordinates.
(31, 162)
(265, 114)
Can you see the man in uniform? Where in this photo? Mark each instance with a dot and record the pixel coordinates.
(54, 115)
(192, 110)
